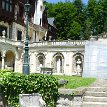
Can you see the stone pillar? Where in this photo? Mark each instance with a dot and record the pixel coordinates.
(33, 37)
(3, 61)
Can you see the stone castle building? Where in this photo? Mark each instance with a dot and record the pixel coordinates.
(65, 57)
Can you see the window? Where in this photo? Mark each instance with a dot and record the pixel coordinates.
(19, 35)
(1, 29)
(3, 4)
(10, 8)
(10, 5)
(7, 5)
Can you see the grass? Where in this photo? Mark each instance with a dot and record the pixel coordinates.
(75, 82)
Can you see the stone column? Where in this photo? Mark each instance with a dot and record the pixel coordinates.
(3, 61)
(33, 37)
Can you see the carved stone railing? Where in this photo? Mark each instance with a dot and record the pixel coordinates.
(68, 43)
(58, 43)
(11, 42)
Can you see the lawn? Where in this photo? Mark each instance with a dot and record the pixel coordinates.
(75, 82)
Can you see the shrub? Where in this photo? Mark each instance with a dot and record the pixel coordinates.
(12, 84)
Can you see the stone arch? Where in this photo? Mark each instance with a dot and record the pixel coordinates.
(78, 63)
(58, 63)
(40, 59)
(10, 60)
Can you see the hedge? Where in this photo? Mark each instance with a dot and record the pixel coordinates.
(12, 84)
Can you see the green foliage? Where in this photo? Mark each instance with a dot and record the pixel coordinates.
(13, 84)
(74, 28)
(75, 82)
(75, 20)
(68, 19)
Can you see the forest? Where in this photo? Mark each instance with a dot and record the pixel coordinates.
(78, 21)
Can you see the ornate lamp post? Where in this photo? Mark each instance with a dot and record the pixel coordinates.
(26, 63)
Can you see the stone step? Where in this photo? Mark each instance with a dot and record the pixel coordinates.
(94, 99)
(96, 94)
(98, 84)
(61, 106)
(97, 89)
(94, 104)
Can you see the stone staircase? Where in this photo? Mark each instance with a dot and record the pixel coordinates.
(96, 94)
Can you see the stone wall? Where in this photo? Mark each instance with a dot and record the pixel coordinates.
(95, 59)
(70, 97)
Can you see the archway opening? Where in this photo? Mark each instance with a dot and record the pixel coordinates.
(58, 63)
(9, 60)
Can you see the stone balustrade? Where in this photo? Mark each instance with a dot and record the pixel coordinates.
(11, 42)
(58, 43)
(65, 43)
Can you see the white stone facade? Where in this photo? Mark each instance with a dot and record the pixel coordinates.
(61, 56)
